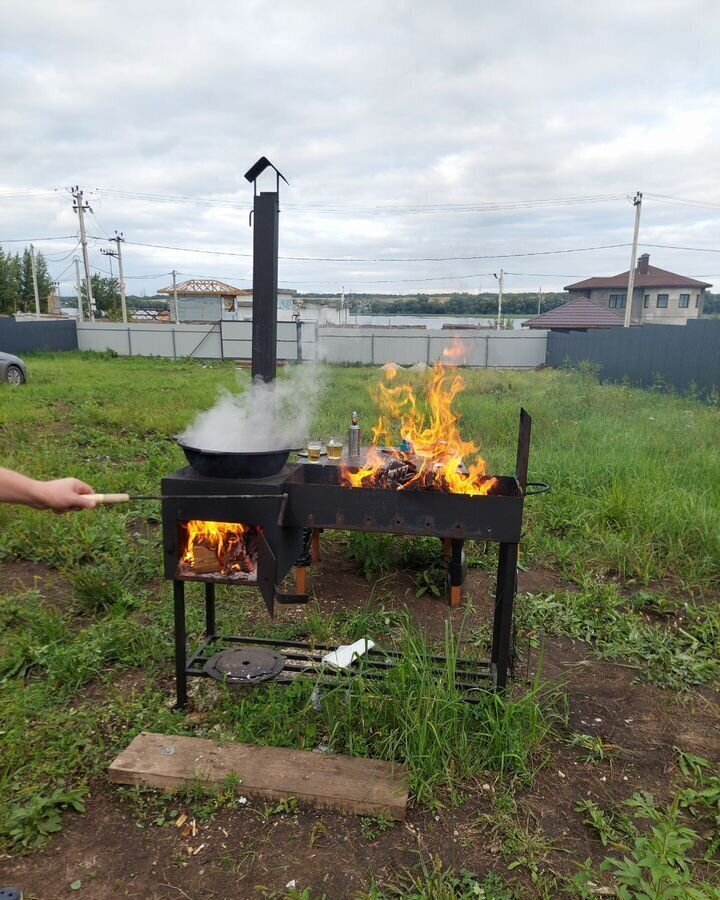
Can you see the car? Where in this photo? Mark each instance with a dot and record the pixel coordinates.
(12, 369)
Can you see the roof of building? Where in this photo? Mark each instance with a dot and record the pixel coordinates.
(645, 276)
(204, 287)
(577, 313)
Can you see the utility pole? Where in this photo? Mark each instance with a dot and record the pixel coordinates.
(175, 300)
(500, 297)
(637, 203)
(79, 289)
(539, 299)
(35, 285)
(80, 208)
(120, 239)
(117, 254)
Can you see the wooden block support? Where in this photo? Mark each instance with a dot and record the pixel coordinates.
(315, 545)
(455, 598)
(365, 787)
(301, 580)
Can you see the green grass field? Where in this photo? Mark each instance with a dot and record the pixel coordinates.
(632, 526)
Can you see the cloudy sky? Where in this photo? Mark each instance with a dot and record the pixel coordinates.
(407, 131)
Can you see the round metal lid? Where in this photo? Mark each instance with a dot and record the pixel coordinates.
(245, 665)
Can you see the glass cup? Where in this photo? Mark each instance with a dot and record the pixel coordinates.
(313, 450)
(334, 448)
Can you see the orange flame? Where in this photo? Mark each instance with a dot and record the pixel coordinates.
(439, 458)
(229, 541)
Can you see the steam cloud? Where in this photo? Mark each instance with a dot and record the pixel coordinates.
(266, 416)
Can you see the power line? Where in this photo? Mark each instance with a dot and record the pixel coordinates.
(372, 259)
(470, 206)
(64, 237)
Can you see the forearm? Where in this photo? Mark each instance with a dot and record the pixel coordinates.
(17, 488)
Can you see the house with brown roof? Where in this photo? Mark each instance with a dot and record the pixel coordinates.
(579, 314)
(659, 297)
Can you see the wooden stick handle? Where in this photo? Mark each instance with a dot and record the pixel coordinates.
(110, 498)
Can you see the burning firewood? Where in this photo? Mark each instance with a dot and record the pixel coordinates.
(205, 560)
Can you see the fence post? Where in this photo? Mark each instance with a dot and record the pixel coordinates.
(372, 349)
(298, 340)
(487, 351)
(130, 353)
(427, 355)
(173, 343)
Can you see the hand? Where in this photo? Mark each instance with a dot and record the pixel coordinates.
(64, 495)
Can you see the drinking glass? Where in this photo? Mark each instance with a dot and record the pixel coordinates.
(313, 450)
(334, 447)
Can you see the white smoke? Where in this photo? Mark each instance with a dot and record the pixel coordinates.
(265, 416)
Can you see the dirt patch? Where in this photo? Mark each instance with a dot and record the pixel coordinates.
(17, 577)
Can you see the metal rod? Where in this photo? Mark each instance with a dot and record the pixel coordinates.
(107, 499)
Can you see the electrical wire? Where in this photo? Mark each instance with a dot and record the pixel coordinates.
(372, 259)
(472, 206)
(64, 237)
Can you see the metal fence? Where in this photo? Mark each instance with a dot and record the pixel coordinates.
(198, 340)
(684, 356)
(333, 344)
(41, 334)
(481, 349)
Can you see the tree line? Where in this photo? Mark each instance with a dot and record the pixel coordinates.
(17, 293)
(466, 304)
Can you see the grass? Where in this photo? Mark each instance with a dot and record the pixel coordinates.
(635, 501)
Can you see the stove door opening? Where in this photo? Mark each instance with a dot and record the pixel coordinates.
(218, 551)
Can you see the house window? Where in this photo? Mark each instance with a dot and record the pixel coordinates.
(662, 301)
(646, 301)
(617, 301)
(697, 300)
(684, 301)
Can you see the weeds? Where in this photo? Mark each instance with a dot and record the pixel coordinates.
(31, 825)
(659, 846)
(677, 654)
(435, 882)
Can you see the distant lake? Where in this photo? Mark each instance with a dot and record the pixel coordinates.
(429, 321)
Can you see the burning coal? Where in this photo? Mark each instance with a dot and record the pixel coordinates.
(265, 416)
(438, 457)
(219, 549)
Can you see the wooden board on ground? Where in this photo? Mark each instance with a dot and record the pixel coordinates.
(346, 784)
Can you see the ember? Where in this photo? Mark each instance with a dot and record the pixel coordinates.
(219, 549)
(439, 459)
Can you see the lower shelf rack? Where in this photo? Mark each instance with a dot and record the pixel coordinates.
(473, 678)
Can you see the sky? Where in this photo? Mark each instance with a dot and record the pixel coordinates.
(412, 134)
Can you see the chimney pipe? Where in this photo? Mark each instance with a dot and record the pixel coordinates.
(644, 264)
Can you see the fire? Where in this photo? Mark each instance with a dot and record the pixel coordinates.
(219, 548)
(437, 458)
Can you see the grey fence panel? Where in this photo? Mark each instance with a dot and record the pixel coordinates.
(681, 355)
(198, 341)
(24, 337)
(508, 350)
(457, 347)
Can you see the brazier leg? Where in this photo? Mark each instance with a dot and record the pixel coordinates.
(502, 623)
(210, 626)
(180, 644)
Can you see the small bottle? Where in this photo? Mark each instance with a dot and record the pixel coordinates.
(354, 436)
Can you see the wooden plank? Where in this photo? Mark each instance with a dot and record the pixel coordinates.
(346, 784)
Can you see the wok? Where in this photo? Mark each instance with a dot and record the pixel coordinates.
(227, 464)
